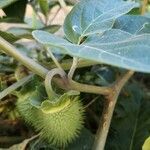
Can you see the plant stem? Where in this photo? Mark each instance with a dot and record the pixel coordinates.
(109, 107)
(74, 63)
(144, 7)
(15, 86)
(62, 3)
(48, 79)
(54, 59)
(66, 64)
(41, 71)
(73, 67)
(26, 61)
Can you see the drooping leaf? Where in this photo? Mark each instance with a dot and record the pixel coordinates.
(94, 16)
(131, 23)
(4, 3)
(114, 47)
(130, 123)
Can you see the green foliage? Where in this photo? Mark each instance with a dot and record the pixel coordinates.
(92, 16)
(100, 32)
(132, 23)
(113, 47)
(44, 5)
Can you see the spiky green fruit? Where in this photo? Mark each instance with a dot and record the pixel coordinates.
(58, 126)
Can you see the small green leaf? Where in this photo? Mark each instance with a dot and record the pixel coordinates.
(94, 16)
(44, 6)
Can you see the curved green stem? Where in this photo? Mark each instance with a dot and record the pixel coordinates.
(73, 67)
(48, 79)
(41, 71)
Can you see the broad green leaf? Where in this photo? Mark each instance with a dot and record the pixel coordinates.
(146, 145)
(114, 47)
(131, 123)
(94, 16)
(131, 23)
(44, 6)
(4, 3)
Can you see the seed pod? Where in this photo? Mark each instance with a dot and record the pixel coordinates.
(60, 124)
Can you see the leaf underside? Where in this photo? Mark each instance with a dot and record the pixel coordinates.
(114, 47)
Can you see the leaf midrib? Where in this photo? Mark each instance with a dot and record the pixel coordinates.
(83, 33)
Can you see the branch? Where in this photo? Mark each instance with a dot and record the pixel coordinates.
(41, 71)
(73, 67)
(109, 107)
(144, 7)
(26, 61)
